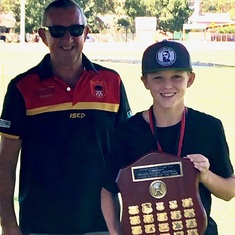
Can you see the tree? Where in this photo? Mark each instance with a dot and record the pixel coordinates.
(174, 15)
(219, 6)
(170, 14)
(34, 10)
(92, 8)
(14, 7)
(33, 14)
(5, 5)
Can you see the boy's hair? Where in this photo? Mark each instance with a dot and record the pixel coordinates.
(155, 59)
(63, 4)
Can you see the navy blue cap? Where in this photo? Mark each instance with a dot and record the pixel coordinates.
(166, 55)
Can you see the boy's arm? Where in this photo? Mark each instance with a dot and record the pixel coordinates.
(223, 188)
(111, 210)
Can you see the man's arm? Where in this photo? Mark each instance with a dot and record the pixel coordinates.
(9, 151)
(111, 211)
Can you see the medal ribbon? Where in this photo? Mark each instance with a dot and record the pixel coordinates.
(153, 127)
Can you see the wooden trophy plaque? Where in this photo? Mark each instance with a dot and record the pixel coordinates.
(160, 197)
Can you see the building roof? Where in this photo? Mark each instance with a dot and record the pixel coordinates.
(7, 20)
(208, 18)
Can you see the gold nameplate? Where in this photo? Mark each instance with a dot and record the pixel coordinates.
(157, 171)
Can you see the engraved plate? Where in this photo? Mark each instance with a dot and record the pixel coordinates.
(177, 225)
(147, 208)
(160, 206)
(148, 219)
(134, 220)
(191, 223)
(187, 202)
(176, 215)
(189, 213)
(163, 227)
(157, 171)
(192, 232)
(162, 217)
(179, 233)
(136, 230)
(133, 210)
(150, 228)
(173, 204)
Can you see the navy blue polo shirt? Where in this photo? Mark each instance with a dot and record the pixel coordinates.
(65, 138)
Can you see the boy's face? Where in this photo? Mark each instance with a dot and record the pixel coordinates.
(168, 87)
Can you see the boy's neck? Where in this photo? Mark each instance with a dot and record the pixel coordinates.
(165, 117)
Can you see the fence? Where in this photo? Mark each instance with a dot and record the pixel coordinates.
(219, 37)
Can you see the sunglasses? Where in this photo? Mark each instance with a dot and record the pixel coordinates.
(59, 31)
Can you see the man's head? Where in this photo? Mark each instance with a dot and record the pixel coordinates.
(166, 55)
(63, 4)
(64, 30)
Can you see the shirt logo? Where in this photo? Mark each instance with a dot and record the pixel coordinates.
(5, 123)
(166, 56)
(98, 89)
(46, 92)
(129, 114)
(77, 115)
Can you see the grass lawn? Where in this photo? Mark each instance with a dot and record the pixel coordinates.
(212, 92)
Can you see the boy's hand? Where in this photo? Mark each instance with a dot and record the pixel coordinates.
(201, 163)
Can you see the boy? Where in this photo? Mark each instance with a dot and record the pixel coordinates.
(59, 116)
(171, 127)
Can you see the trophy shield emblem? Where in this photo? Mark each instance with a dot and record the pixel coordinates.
(160, 196)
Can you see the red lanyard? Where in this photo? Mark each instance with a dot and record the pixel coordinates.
(153, 127)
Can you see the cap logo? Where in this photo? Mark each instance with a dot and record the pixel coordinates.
(166, 56)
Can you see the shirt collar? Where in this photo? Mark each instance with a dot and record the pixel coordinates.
(46, 71)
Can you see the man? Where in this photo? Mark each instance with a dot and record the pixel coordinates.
(59, 115)
(168, 126)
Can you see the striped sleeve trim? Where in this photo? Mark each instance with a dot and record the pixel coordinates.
(16, 137)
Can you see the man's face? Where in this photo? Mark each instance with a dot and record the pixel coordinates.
(66, 50)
